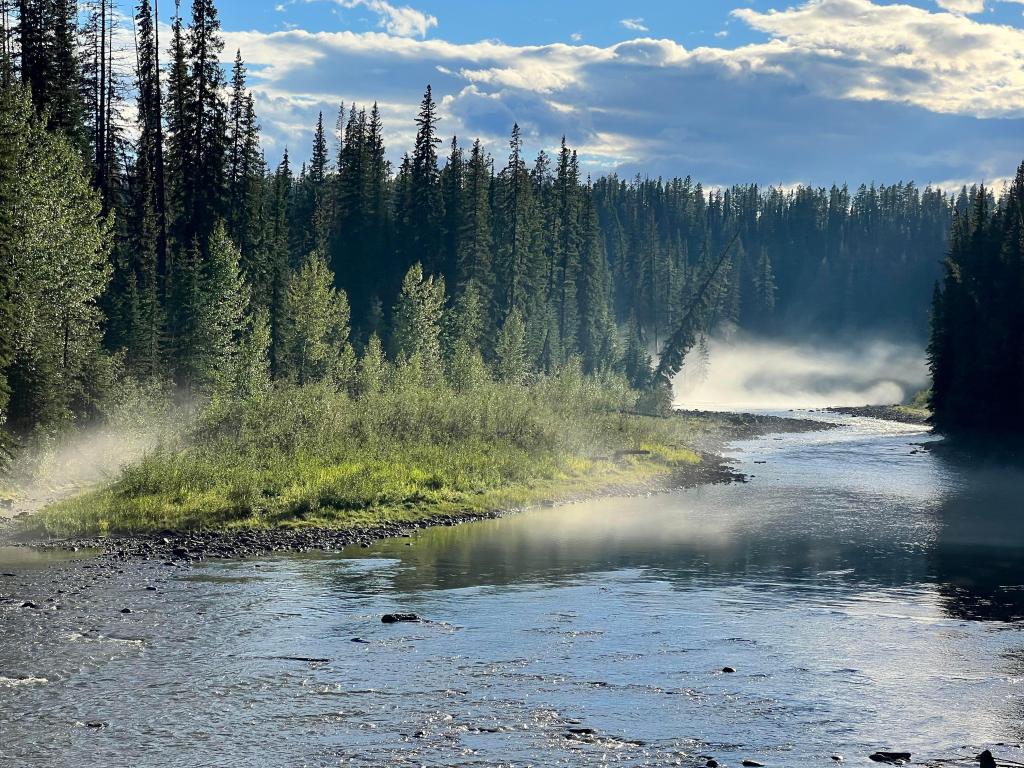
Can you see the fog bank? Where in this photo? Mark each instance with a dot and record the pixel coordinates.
(772, 375)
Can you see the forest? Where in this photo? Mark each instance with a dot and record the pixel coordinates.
(170, 254)
(976, 351)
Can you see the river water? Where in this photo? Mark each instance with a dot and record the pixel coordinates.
(869, 595)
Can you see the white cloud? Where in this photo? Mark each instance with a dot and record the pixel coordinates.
(576, 37)
(962, 6)
(403, 21)
(637, 25)
(861, 50)
(841, 88)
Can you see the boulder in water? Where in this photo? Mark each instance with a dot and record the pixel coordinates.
(893, 758)
(394, 618)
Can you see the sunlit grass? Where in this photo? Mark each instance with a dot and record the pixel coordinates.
(312, 456)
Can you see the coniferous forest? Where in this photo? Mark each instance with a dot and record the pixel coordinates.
(173, 250)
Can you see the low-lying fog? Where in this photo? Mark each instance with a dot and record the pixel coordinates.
(773, 375)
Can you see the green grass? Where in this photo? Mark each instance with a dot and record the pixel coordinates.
(312, 456)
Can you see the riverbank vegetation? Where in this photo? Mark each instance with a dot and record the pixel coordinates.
(976, 351)
(392, 446)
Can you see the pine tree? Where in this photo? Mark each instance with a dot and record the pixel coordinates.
(567, 193)
(425, 206)
(418, 322)
(151, 200)
(315, 328)
(518, 259)
(57, 251)
(251, 377)
(452, 199)
(219, 324)
(473, 260)
(510, 354)
(597, 334)
(198, 126)
(322, 212)
(270, 284)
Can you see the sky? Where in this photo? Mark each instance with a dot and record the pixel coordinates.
(727, 91)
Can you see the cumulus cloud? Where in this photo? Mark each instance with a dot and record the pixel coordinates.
(962, 6)
(940, 61)
(841, 88)
(637, 25)
(403, 21)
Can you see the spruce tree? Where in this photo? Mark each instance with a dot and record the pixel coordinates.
(425, 205)
(418, 323)
(315, 328)
(510, 354)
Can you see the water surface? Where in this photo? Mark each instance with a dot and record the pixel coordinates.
(868, 594)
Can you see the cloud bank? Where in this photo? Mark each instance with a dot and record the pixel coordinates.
(836, 89)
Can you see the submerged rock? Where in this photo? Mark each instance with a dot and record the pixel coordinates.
(394, 618)
(893, 758)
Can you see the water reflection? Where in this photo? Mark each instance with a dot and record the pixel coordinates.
(913, 520)
(978, 558)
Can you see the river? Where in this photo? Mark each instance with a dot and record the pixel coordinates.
(868, 594)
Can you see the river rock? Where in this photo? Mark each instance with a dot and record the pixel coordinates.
(986, 760)
(752, 764)
(29, 604)
(728, 670)
(893, 758)
(394, 618)
(837, 758)
(712, 763)
(97, 724)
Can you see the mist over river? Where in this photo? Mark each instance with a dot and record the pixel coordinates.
(869, 595)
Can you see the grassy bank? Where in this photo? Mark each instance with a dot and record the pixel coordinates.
(311, 456)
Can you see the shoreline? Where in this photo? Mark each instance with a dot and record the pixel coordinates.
(899, 413)
(178, 547)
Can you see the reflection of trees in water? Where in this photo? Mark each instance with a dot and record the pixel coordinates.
(978, 558)
(970, 545)
(788, 552)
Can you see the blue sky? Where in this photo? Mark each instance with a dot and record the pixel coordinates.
(784, 92)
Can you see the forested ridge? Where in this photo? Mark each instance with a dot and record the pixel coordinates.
(168, 250)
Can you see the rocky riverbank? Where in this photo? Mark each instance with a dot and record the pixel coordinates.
(900, 413)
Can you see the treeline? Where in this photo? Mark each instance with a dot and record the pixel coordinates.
(808, 261)
(976, 351)
(179, 255)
